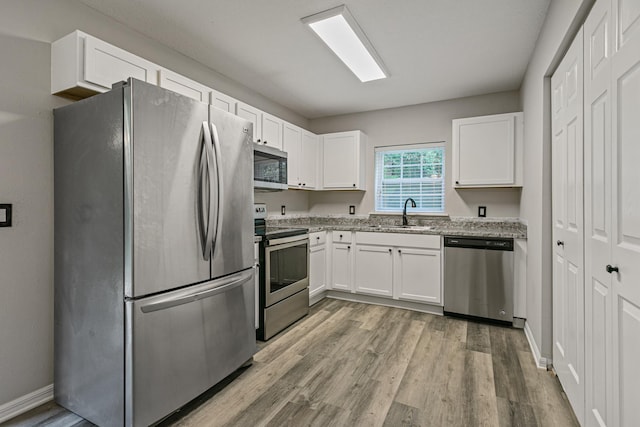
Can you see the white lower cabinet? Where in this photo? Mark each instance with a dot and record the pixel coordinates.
(418, 275)
(374, 270)
(317, 264)
(341, 261)
(394, 265)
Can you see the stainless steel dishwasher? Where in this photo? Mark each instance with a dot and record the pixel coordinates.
(478, 277)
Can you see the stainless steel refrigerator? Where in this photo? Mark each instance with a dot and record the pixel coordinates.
(154, 285)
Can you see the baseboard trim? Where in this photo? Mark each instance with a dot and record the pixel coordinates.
(317, 297)
(387, 302)
(541, 362)
(24, 403)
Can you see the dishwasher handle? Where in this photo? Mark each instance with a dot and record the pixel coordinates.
(472, 242)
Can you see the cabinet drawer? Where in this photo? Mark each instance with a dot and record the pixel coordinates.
(341, 236)
(317, 239)
(425, 241)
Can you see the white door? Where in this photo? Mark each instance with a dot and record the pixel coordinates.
(271, 131)
(317, 269)
(341, 267)
(310, 154)
(419, 275)
(254, 115)
(184, 86)
(567, 215)
(291, 143)
(597, 215)
(340, 157)
(625, 230)
(374, 270)
(223, 102)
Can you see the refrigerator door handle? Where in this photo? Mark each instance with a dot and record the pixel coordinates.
(219, 187)
(204, 209)
(199, 294)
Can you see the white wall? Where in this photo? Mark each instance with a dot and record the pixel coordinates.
(414, 124)
(27, 27)
(563, 19)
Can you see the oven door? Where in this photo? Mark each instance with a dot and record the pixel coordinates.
(286, 268)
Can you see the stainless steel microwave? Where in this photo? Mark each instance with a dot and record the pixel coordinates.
(269, 168)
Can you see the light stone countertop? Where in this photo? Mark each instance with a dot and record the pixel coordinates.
(456, 226)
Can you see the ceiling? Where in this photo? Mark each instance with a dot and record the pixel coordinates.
(433, 49)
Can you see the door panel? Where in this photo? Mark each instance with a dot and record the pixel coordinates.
(374, 270)
(567, 215)
(166, 145)
(233, 243)
(597, 183)
(341, 267)
(625, 250)
(214, 321)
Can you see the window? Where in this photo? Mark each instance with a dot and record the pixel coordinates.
(415, 171)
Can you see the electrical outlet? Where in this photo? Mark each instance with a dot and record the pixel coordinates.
(283, 210)
(352, 210)
(5, 215)
(482, 211)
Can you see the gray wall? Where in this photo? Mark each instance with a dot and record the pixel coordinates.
(563, 19)
(27, 27)
(414, 124)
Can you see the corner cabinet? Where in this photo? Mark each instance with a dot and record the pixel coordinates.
(487, 151)
(344, 160)
(82, 65)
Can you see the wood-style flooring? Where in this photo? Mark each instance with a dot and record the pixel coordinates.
(351, 364)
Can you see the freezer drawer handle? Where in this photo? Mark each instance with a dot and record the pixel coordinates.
(186, 299)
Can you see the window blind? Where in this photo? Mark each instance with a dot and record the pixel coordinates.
(415, 171)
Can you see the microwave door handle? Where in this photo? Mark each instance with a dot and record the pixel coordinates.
(204, 210)
(219, 185)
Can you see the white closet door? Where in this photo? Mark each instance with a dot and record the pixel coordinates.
(597, 146)
(568, 269)
(625, 229)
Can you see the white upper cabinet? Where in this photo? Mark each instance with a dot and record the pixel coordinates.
(271, 131)
(344, 156)
(254, 115)
(82, 65)
(267, 129)
(309, 160)
(184, 86)
(223, 102)
(302, 149)
(487, 151)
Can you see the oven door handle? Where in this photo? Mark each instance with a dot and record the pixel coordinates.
(299, 239)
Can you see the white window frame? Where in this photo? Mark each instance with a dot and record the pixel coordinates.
(379, 176)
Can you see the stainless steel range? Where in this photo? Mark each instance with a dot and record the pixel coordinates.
(284, 276)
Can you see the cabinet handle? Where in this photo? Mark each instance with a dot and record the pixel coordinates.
(341, 236)
(299, 184)
(303, 184)
(457, 182)
(560, 243)
(611, 269)
(265, 142)
(399, 251)
(259, 140)
(348, 247)
(354, 185)
(317, 237)
(389, 250)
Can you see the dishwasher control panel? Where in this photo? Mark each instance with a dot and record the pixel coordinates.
(492, 243)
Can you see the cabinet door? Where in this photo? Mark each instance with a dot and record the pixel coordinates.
(340, 157)
(291, 143)
(567, 218)
(317, 269)
(184, 86)
(419, 275)
(254, 115)
(374, 270)
(341, 267)
(223, 102)
(272, 131)
(106, 64)
(484, 150)
(309, 157)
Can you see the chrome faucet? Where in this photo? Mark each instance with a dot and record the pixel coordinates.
(404, 211)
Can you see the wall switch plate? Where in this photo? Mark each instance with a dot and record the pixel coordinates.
(283, 209)
(482, 211)
(352, 210)
(5, 215)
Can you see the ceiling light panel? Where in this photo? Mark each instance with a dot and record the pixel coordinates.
(338, 29)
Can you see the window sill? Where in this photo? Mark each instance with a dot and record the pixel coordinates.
(410, 213)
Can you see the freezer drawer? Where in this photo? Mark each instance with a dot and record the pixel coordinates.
(181, 343)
